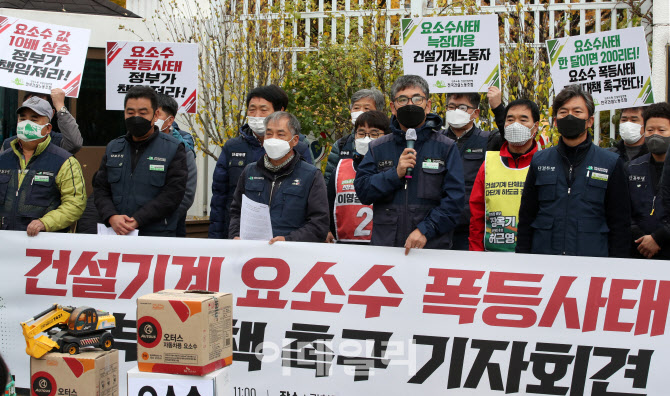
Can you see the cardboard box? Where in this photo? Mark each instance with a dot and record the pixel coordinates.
(216, 383)
(184, 332)
(89, 373)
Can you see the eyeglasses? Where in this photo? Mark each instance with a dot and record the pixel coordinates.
(403, 100)
(462, 107)
(373, 134)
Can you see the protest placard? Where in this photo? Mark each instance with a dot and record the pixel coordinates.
(613, 66)
(37, 56)
(454, 54)
(169, 68)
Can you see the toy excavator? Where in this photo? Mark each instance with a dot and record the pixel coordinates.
(68, 329)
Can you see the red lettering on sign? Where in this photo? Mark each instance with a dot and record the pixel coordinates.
(452, 294)
(252, 298)
(560, 300)
(497, 284)
(658, 306)
(317, 300)
(594, 302)
(104, 288)
(61, 265)
(616, 303)
(144, 261)
(375, 303)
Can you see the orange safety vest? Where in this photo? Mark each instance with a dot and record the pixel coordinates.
(353, 220)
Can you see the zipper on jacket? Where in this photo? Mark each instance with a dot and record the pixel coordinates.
(565, 226)
(272, 189)
(653, 206)
(132, 170)
(274, 180)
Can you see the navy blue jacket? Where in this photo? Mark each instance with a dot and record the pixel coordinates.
(296, 195)
(236, 154)
(35, 197)
(646, 203)
(574, 203)
(473, 153)
(433, 200)
(144, 180)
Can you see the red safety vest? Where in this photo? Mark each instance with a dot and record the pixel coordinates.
(353, 220)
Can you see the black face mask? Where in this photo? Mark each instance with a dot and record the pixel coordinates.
(657, 144)
(570, 126)
(410, 116)
(138, 126)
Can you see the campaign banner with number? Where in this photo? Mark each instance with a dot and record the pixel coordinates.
(38, 57)
(342, 320)
(169, 68)
(454, 54)
(613, 66)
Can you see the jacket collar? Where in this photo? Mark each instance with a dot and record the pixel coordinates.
(433, 123)
(621, 146)
(504, 151)
(249, 136)
(151, 137)
(15, 145)
(286, 170)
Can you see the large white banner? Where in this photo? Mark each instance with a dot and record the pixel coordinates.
(37, 56)
(321, 319)
(613, 66)
(454, 54)
(169, 68)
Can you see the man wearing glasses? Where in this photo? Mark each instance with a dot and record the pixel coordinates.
(418, 208)
(462, 112)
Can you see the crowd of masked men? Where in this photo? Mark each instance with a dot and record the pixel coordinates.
(412, 180)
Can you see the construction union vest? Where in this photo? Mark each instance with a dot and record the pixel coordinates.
(503, 188)
(353, 220)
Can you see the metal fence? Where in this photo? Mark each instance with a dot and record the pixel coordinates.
(551, 19)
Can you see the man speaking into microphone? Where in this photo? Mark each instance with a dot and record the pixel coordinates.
(415, 186)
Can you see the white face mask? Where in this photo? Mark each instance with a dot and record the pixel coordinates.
(257, 124)
(458, 118)
(276, 148)
(28, 131)
(630, 132)
(355, 115)
(362, 145)
(518, 134)
(159, 123)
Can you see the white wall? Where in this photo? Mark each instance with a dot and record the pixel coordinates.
(148, 8)
(661, 38)
(103, 28)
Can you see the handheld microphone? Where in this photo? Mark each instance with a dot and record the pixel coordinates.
(410, 138)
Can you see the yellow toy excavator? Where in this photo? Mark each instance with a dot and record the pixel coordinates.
(68, 329)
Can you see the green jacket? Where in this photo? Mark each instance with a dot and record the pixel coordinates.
(70, 182)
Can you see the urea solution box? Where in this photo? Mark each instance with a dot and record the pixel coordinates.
(184, 332)
(91, 373)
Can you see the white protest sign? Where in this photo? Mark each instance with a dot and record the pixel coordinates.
(343, 320)
(454, 54)
(38, 57)
(613, 66)
(169, 68)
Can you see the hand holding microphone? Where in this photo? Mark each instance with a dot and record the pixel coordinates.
(407, 160)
